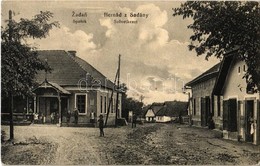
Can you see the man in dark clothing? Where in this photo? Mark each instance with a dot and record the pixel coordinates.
(101, 125)
(211, 123)
(134, 121)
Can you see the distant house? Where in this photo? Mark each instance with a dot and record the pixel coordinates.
(150, 115)
(151, 111)
(201, 98)
(72, 83)
(171, 111)
(236, 103)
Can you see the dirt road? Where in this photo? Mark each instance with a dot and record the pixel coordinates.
(153, 144)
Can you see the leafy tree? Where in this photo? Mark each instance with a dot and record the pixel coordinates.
(221, 26)
(19, 61)
(129, 104)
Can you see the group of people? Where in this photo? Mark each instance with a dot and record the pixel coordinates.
(36, 118)
(92, 120)
(76, 116)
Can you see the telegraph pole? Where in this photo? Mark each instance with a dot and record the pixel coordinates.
(12, 91)
(110, 101)
(117, 90)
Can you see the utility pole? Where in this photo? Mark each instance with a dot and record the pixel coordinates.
(117, 90)
(12, 91)
(110, 101)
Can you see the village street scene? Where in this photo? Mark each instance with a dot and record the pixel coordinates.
(130, 83)
(149, 144)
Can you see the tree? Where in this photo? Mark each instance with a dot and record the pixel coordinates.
(221, 26)
(20, 63)
(130, 104)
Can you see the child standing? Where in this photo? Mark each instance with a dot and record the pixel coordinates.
(101, 125)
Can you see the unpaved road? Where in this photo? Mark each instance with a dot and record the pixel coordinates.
(153, 144)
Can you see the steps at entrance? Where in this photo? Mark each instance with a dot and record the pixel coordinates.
(230, 135)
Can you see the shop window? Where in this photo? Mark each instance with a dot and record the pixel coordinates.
(112, 105)
(101, 104)
(81, 103)
(218, 104)
(105, 104)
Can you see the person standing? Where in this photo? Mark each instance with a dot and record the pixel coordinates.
(36, 117)
(92, 118)
(101, 125)
(211, 124)
(76, 115)
(134, 121)
(52, 117)
(68, 117)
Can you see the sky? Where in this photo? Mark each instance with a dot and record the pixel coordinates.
(155, 60)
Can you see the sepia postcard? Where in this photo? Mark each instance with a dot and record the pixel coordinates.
(127, 83)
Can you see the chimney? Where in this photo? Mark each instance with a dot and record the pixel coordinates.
(72, 53)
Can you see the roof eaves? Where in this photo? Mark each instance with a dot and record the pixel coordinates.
(207, 73)
(200, 79)
(222, 75)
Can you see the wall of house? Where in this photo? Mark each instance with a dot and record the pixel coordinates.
(105, 95)
(93, 103)
(218, 112)
(163, 119)
(235, 88)
(90, 105)
(235, 85)
(150, 113)
(200, 90)
(150, 118)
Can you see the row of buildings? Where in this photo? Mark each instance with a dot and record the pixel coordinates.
(72, 84)
(222, 94)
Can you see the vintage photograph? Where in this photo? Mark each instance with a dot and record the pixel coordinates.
(130, 82)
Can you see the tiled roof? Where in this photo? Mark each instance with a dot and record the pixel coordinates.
(94, 72)
(157, 104)
(212, 72)
(173, 109)
(68, 70)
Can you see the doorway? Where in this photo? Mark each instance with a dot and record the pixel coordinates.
(232, 115)
(48, 109)
(249, 117)
(64, 108)
(205, 110)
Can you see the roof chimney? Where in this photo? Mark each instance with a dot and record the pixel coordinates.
(72, 53)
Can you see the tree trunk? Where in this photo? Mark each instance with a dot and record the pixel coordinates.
(11, 117)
